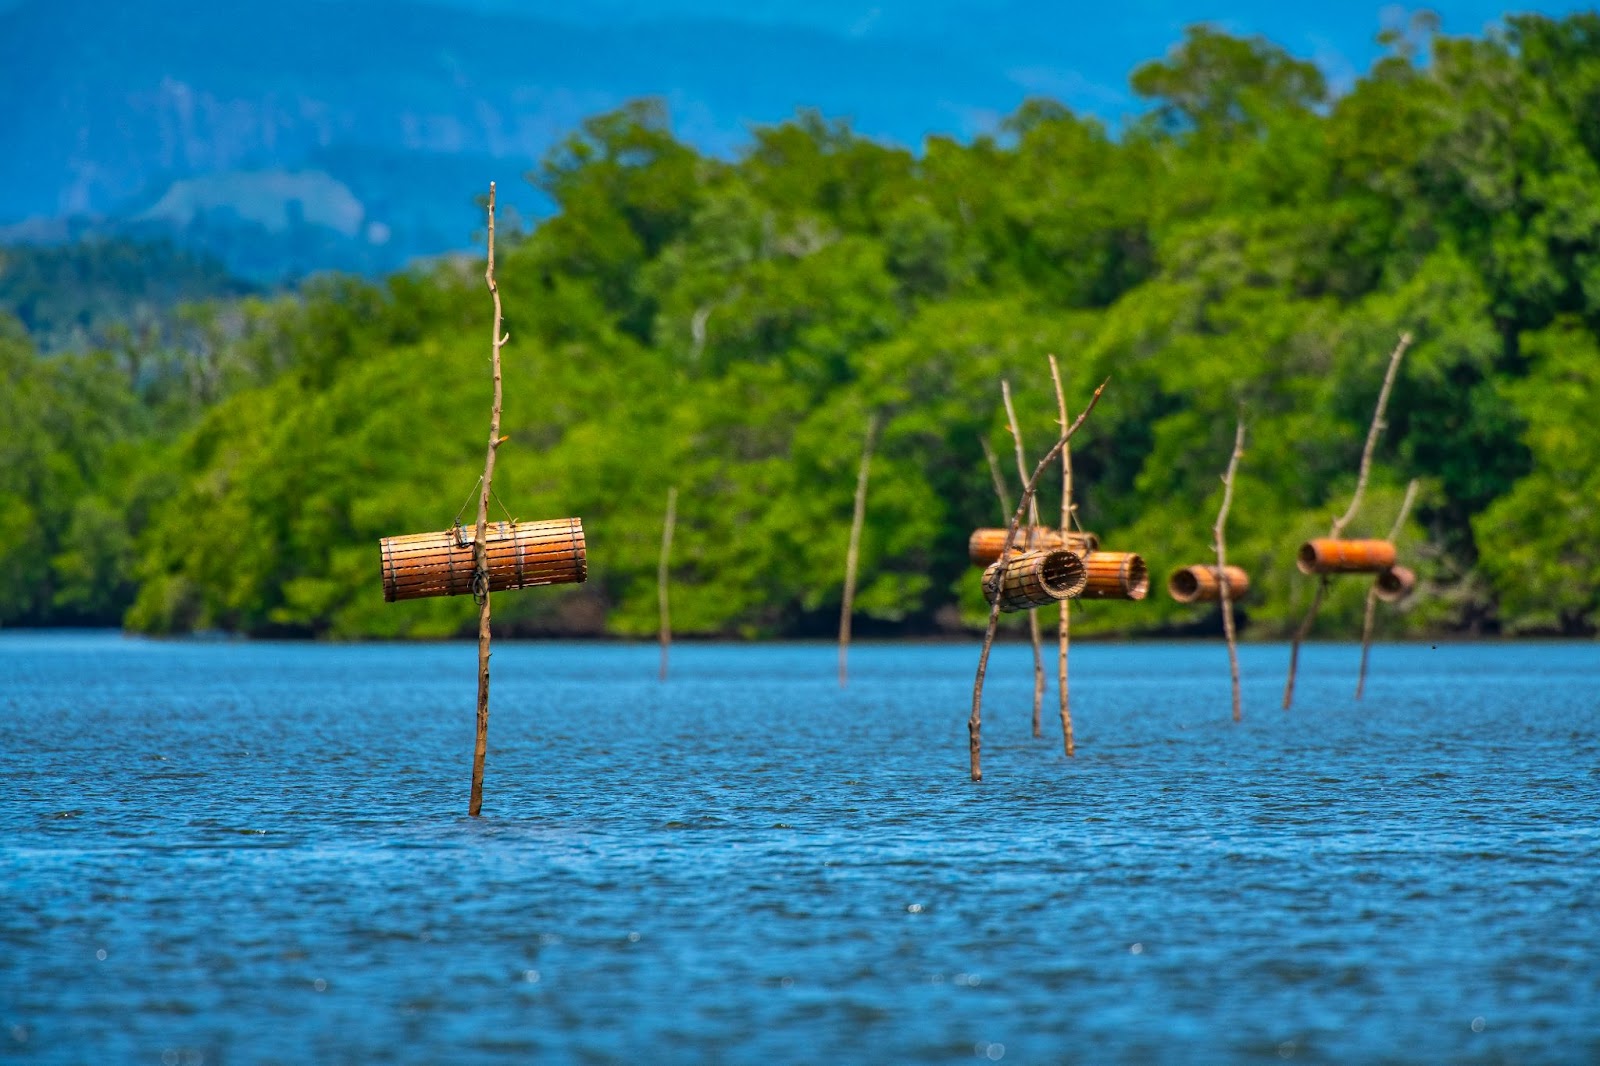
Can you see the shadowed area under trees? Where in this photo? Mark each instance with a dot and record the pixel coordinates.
(728, 327)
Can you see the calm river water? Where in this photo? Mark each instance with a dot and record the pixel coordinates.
(252, 852)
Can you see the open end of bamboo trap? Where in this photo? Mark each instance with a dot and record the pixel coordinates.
(1034, 579)
(1396, 583)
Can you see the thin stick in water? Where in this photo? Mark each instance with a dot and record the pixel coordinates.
(662, 577)
(1062, 629)
(1030, 486)
(1372, 591)
(1373, 432)
(1220, 538)
(853, 554)
(480, 543)
(1033, 525)
(998, 477)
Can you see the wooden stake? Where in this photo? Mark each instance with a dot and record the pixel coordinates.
(1372, 590)
(1373, 432)
(853, 554)
(1062, 628)
(661, 577)
(480, 547)
(1033, 524)
(1030, 486)
(1219, 537)
(998, 478)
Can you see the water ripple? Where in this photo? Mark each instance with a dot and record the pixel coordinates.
(220, 852)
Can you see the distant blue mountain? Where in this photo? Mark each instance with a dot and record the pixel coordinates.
(306, 134)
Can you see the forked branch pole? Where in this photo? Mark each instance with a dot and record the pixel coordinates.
(1374, 431)
(1372, 590)
(853, 553)
(1033, 526)
(975, 721)
(480, 544)
(1062, 630)
(1219, 535)
(663, 573)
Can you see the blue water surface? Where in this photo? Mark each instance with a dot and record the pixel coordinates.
(256, 852)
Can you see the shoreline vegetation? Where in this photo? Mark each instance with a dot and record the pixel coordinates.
(1011, 637)
(728, 326)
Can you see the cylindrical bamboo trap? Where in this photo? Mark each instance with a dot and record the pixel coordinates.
(1396, 583)
(1324, 556)
(1115, 576)
(1034, 579)
(984, 546)
(1200, 584)
(520, 555)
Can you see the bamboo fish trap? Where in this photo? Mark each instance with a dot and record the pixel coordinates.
(1324, 556)
(1396, 583)
(520, 555)
(1115, 576)
(1034, 579)
(984, 546)
(1200, 584)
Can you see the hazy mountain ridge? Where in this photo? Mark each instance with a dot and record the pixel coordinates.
(411, 107)
(399, 95)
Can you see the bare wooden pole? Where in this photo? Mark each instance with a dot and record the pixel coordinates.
(1063, 635)
(662, 575)
(1372, 590)
(853, 554)
(1030, 486)
(1220, 538)
(1005, 515)
(998, 478)
(1374, 431)
(480, 543)
(1033, 525)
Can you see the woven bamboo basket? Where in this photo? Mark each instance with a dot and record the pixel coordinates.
(984, 546)
(1034, 579)
(520, 555)
(1396, 583)
(1115, 576)
(1323, 556)
(1200, 584)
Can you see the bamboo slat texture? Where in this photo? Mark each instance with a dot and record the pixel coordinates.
(1115, 576)
(1033, 579)
(520, 554)
(984, 546)
(1199, 584)
(1396, 583)
(1324, 556)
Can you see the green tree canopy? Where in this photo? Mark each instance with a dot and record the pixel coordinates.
(728, 326)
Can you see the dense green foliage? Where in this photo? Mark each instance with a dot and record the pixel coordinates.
(91, 291)
(728, 327)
